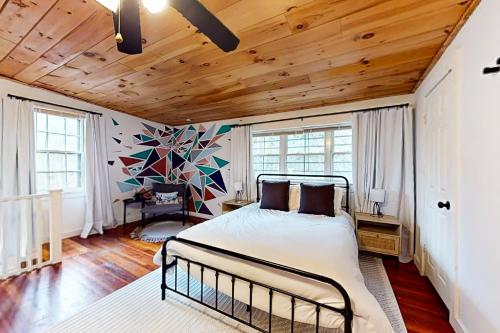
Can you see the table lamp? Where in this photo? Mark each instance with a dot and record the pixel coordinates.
(238, 188)
(377, 195)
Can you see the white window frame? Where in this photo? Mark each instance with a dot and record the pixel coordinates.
(333, 153)
(80, 152)
(329, 146)
(278, 155)
(287, 153)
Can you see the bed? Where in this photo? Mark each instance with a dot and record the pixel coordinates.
(298, 266)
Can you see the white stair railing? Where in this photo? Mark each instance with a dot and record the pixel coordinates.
(23, 232)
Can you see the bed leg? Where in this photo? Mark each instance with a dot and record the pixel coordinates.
(163, 270)
(348, 322)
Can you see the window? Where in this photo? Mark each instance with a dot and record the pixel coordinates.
(306, 153)
(318, 151)
(266, 154)
(59, 152)
(342, 152)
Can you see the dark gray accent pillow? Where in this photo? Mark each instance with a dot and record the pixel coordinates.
(275, 195)
(317, 199)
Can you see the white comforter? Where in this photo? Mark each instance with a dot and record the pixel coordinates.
(318, 244)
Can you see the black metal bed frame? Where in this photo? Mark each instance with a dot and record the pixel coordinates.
(346, 311)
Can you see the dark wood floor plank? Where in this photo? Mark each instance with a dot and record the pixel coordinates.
(421, 307)
(93, 268)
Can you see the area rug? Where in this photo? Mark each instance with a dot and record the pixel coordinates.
(137, 307)
(159, 231)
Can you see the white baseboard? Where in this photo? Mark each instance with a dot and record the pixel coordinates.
(71, 233)
(418, 263)
(458, 325)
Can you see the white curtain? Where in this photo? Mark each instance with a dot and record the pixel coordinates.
(17, 177)
(17, 134)
(241, 159)
(98, 209)
(383, 157)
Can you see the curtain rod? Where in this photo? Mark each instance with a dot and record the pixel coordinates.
(53, 104)
(321, 115)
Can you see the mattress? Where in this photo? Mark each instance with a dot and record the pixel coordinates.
(318, 244)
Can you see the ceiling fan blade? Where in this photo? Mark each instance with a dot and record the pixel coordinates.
(130, 27)
(207, 23)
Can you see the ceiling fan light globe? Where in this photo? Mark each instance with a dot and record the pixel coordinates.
(110, 4)
(155, 6)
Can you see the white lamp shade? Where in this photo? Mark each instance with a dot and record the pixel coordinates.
(154, 6)
(238, 186)
(377, 195)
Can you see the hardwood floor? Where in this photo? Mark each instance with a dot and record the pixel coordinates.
(421, 307)
(97, 266)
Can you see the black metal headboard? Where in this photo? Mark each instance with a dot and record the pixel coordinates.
(302, 177)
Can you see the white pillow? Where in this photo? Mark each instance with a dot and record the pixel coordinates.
(166, 198)
(294, 198)
(337, 199)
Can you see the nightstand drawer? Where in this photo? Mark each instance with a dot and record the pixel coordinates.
(377, 242)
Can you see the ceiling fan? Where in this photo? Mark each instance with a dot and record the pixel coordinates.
(128, 26)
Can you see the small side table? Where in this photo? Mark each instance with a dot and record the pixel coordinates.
(379, 234)
(127, 202)
(230, 205)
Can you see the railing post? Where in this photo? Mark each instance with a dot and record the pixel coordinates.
(55, 222)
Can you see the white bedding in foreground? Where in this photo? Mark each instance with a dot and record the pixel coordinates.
(318, 244)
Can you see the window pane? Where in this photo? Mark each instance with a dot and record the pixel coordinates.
(72, 126)
(342, 158)
(342, 167)
(258, 159)
(58, 155)
(258, 145)
(72, 143)
(73, 162)
(41, 121)
(55, 124)
(55, 142)
(318, 167)
(73, 180)
(316, 159)
(306, 153)
(271, 159)
(344, 132)
(341, 148)
(41, 162)
(296, 150)
(42, 181)
(295, 159)
(266, 154)
(342, 153)
(343, 140)
(57, 180)
(41, 141)
(57, 162)
(295, 168)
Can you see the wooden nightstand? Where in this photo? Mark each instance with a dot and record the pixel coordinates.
(230, 205)
(378, 234)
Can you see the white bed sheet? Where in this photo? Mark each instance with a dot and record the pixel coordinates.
(318, 244)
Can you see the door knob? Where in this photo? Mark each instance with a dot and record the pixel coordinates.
(444, 205)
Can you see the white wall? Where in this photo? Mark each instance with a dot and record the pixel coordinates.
(73, 214)
(74, 203)
(225, 152)
(476, 46)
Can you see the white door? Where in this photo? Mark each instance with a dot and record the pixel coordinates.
(440, 121)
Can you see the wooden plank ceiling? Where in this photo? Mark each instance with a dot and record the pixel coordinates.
(294, 54)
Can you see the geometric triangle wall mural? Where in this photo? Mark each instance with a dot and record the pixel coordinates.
(178, 155)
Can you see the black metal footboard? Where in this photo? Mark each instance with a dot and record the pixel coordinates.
(346, 311)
